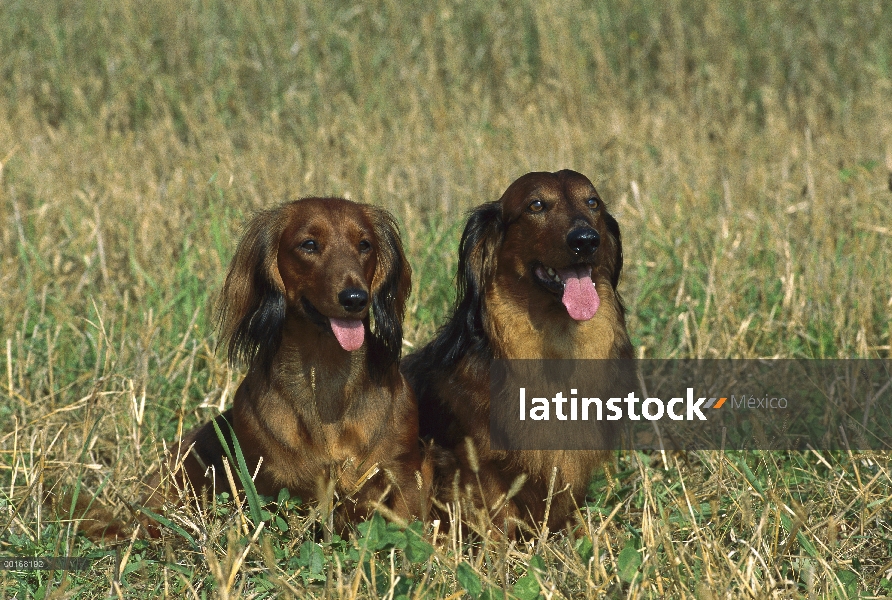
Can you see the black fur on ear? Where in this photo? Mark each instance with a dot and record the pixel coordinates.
(464, 332)
(390, 289)
(613, 229)
(252, 303)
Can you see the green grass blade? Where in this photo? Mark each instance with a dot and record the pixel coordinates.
(254, 504)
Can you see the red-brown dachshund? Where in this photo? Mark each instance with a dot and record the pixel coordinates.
(313, 305)
(537, 278)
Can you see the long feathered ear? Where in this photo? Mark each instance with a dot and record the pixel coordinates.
(252, 304)
(613, 229)
(391, 285)
(464, 332)
(476, 263)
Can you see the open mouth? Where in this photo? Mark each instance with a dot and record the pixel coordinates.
(575, 287)
(350, 332)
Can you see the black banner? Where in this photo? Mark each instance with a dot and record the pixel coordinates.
(785, 404)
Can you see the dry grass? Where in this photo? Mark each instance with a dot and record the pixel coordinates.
(745, 152)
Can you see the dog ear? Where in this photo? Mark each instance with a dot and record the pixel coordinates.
(476, 263)
(252, 303)
(613, 229)
(464, 332)
(391, 286)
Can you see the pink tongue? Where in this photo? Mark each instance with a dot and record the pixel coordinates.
(350, 332)
(580, 296)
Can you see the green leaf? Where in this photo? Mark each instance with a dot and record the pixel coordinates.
(133, 565)
(849, 581)
(371, 532)
(628, 562)
(393, 536)
(468, 579)
(312, 559)
(537, 563)
(376, 534)
(492, 593)
(585, 550)
(417, 549)
(262, 583)
(281, 524)
(526, 588)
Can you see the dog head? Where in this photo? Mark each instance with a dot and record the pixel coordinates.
(550, 229)
(327, 261)
(550, 235)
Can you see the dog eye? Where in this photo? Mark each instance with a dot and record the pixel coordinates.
(536, 206)
(365, 246)
(592, 202)
(309, 246)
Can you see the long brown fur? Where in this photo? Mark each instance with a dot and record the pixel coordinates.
(309, 412)
(502, 312)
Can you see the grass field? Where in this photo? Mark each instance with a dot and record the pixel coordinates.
(745, 149)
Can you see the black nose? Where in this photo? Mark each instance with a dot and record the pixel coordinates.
(583, 241)
(353, 299)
